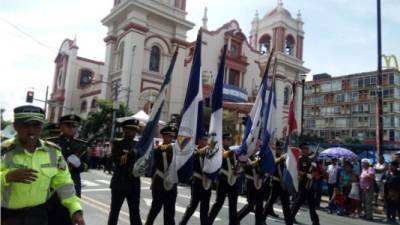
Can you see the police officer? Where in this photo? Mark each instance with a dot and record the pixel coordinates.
(52, 130)
(163, 192)
(30, 169)
(123, 183)
(74, 151)
(201, 185)
(255, 197)
(226, 183)
(307, 166)
(277, 187)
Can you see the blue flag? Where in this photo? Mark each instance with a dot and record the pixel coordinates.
(266, 156)
(213, 159)
(145, 144)
(191, 127)
(254, 121)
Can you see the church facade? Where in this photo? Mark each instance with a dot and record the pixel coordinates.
(142, 36)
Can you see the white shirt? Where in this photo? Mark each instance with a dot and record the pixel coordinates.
(332, 172)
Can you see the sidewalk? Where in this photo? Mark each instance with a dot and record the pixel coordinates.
(379, 211)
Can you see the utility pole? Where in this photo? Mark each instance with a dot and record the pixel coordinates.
(378, 114)
(115, 108)
(46, 100)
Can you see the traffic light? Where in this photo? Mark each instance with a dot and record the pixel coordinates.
(29, 96)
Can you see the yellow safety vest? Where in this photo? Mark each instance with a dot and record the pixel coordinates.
(53, 175)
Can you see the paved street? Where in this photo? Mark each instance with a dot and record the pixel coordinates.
(96, 199)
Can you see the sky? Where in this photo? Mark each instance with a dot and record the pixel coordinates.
(340, 35)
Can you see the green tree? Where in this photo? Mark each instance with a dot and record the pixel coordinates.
(99, 122)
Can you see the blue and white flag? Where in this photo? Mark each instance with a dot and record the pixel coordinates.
(266, 155)
(191, 127)
(213, 159)
(254, 121)
(145, 144)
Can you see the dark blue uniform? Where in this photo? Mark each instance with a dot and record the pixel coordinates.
(123, 183)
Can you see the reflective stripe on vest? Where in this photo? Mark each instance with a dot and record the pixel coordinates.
(53, 157)
(7, 190)
(66, 191)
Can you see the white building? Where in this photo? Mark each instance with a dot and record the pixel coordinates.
(74, 88)
(142, 36)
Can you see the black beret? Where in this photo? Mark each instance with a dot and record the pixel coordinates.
(28, 113)
(71, 118)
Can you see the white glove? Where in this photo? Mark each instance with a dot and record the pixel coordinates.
(309, 176)
(74, 160)
(314, 164)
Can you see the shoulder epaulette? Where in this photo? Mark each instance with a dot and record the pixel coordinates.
(80, 140)
(52, 138)
(7, 146)
(51, 144)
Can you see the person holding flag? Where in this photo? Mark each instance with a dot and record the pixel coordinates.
(208, 158)
(277, 188)
(306, 192)
(227, 183)
(163, 192)
(255, 193)
(201, 185)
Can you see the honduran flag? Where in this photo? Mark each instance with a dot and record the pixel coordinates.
(267, 158)
(191, 127)
(213, 160)
(145, 143)
(254, 120)
(290, 174)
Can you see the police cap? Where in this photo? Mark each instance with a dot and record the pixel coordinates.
(130, 123)
(226, 135)
(168, 130)
(70, 119)
(28, 113)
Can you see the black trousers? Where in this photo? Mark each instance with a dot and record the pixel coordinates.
(255, 198)
(27, 216)
(166, 199)
(199, 195)
(303, 195)
(117, 199)
(57, 213)
(330, 190)
(224, 189)
(277, 190)
(393, 207)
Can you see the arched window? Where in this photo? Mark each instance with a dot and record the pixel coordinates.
(83, 106)
(155, 55)
(265, 44)
(286, 93)
(93, 105)
(85, 77)
(289, 45)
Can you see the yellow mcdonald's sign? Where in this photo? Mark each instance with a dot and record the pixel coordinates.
(388, 60)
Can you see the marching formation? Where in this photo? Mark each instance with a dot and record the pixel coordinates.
(52, 168)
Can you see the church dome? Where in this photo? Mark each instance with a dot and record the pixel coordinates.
(278, 10)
